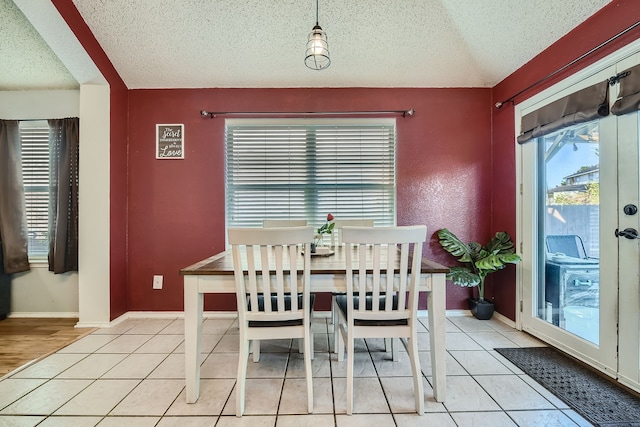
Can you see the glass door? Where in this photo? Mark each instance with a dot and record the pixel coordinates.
(628, 127)
(579, 218)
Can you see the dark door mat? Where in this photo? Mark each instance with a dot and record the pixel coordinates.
(596, 399)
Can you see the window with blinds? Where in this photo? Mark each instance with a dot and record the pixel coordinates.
(305, 169)
(34, 138)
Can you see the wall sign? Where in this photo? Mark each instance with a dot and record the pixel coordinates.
(169, 141)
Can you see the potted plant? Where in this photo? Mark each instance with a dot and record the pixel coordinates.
(479, 262)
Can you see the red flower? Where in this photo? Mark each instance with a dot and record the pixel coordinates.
(329, 217)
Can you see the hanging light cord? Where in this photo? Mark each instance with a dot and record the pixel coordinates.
(561, 69)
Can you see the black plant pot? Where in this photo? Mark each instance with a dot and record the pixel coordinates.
(481, 309)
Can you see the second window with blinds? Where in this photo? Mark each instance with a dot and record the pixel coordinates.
(307, 168)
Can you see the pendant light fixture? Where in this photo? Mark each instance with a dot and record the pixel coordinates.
(317, 54)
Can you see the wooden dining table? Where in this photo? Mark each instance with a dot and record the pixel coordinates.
(328, 274)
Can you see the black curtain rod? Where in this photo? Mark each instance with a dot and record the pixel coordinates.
(404, 113)
(559, 70)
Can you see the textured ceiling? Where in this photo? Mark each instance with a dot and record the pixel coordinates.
(372, 43)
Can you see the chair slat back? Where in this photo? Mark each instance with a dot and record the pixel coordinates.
(271, 263)
(336, 236)
(270, 223)
(383, 261)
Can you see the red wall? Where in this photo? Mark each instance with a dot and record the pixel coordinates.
(118, 156)
(176, 207)
(609, 21)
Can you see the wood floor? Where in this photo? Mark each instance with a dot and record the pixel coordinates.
(23, 340)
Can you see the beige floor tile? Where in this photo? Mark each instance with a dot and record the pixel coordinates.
(261, 397)
(310, 420)
(415, 420)
(541, 418)
(171, 367)
(51, 366)
(368, 396)
(135, 366)
(452, 367)
(362, 366)
(12, 389)
(320, 365)
(149, 327)
(150, 397)
(88, 344)
(47, 398)
(477, 362)
(470, 324)
(187, 421)
(213, 396)
(176, 327)
(93, 366)
(386, 367)
(124, 344)
(464, 394)
(220, 365)
(207, 344)
(460, 341)
(120, 328)
(217, 326)
(228, 343)
(161, 344)
(523, 339)
(364, 420)
(492, 339)
(473, 419)
(271, 365)
(99, 398)
(247, 421)
(512, 393)
(294, 396)
(69, 421)
(19, 421)
(129, 421)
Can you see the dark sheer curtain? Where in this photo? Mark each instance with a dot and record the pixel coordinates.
(13, 219)
(582, 106)
(63, 196)
(629, 98)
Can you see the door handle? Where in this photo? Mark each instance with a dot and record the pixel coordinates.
(629, 233)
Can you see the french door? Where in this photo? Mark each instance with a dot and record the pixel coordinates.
(578, 217)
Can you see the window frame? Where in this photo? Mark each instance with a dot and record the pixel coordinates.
(311, 152)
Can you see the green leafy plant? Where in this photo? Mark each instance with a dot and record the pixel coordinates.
(480, 260)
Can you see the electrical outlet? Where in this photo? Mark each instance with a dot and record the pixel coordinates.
(157, 282)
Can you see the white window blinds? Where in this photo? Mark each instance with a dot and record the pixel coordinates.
(305, 169)
(34, 138)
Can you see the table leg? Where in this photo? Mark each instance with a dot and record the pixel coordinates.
(436, 306)
(193, 306)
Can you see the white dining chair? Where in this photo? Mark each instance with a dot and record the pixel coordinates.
(376, 303)
(272, 276)
(269, 223)
(336, 240)
(336, 235)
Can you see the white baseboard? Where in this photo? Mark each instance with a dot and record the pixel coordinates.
(53, 315)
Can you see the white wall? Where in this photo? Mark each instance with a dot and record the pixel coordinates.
(39, 292)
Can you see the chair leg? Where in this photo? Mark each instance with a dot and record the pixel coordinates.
(418, 389)
(395, 349)
(242, 375)
(350, 362)
(340, 343)
(255, 346)
(308, 355)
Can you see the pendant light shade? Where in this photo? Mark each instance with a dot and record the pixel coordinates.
(316, 56)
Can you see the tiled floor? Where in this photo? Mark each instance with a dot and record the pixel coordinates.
(133, 375)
